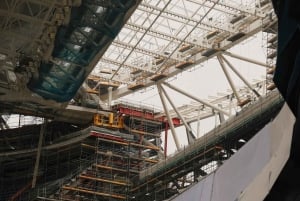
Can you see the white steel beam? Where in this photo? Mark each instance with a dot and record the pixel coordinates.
(249, 28)
(246, 59)
(188, 127)
(168, 117)
(184, 19)
(229, 79)
(140, 39)
(196, 99)
(239, 75)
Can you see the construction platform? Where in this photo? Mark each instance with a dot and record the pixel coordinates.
(125, 161)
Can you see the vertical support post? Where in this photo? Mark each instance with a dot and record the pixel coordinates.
(216, 119)
(198, 123)
(166, 140)
(38, 155)
(99, 99)
(265, 88)
(221, 117)
(230, 104)
(3, 123)
(109, 96)
(190, 136)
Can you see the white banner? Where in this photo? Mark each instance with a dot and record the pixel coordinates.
(251, 172)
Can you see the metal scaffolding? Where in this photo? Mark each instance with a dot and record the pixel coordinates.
(121, 144)
(51, 47)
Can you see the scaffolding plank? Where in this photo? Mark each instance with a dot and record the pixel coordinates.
(271, 86)
(236, 36)
(136, 86)
(272, 55)
(158, 77)
(184, 64)
(244, 102)
(158, 61)
(89, 191)
(105, 167)
(117, 182)
(185, 47)
(209, 52)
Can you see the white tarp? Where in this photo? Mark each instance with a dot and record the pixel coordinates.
(201, 190)
(251, 172)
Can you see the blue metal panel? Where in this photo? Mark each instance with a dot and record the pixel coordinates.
(92, 26)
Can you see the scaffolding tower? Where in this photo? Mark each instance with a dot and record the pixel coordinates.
(122, 143)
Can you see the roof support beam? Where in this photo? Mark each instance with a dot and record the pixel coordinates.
(246, 59)
(141, 38)
(162, 98)
(188, 127)
(229, 79)
(196, 99)
(188, 34)
(239, 75)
